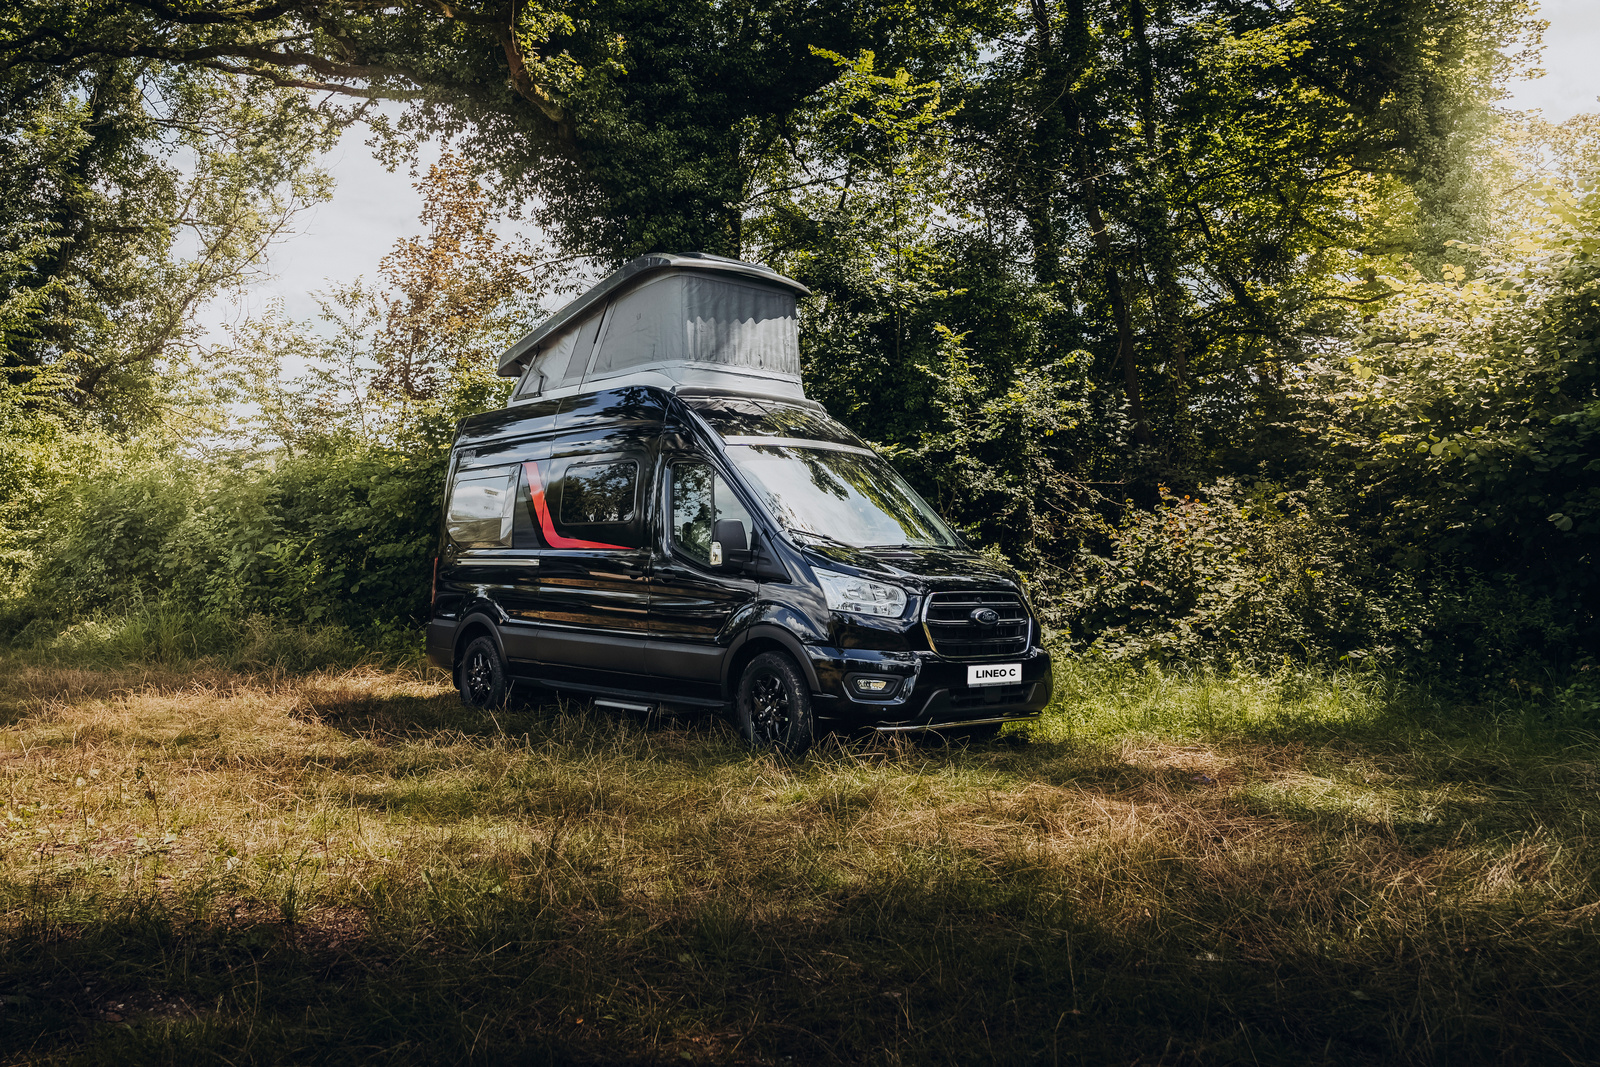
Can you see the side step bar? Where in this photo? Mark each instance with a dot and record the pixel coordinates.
(623, 705)
(625, 699)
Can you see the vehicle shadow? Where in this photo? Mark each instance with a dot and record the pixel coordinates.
(387, 717)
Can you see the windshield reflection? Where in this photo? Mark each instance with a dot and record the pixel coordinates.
(849, 498)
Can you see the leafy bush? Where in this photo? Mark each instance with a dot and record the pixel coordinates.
(167, 635)
(342, 535)
(1251, 577)
(1264, 577)
(1577, 704)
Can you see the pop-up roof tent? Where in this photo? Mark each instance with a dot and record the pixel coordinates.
(668, 320)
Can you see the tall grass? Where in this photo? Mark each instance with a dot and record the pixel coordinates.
(168, 635)
(249, 866)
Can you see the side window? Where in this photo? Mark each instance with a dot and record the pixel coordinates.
(480, 507)
(532, 381)
(700, 496)
(595, 493)
(525, 516)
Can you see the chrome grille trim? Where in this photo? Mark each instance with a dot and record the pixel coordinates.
(957, 638)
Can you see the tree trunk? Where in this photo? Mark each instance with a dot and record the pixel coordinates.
(1119, 311)
(1077, 42)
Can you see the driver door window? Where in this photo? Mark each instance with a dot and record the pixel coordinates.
(700, 497)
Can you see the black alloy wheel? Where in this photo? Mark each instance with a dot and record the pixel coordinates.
(481, 678)
(774, 705)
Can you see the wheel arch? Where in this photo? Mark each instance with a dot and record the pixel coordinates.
(754, 642)
(473, 627)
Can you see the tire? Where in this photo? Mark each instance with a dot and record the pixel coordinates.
(773, 707)
(481, 677)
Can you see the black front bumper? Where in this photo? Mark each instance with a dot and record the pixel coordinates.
(932, 693)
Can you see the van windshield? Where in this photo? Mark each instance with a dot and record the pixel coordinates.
(848, 496)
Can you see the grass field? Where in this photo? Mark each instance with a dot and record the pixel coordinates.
(235, 865)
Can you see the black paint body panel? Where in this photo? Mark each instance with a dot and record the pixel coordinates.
(639, 621)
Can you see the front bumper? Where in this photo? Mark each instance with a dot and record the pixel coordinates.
(933, 692)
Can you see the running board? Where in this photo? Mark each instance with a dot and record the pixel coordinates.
(630, 699)
(623, 705)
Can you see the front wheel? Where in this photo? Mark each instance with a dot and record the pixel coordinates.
(481, 678)
(774, 705)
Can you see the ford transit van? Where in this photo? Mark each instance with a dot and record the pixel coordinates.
(661, 517)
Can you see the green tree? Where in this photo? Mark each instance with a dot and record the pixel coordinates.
(1201, 185)
(136, 194)
(1468, 415)
(631, 124)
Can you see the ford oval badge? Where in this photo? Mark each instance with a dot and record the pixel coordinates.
(984, 616)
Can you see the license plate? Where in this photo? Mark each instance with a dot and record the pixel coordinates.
(995, 674)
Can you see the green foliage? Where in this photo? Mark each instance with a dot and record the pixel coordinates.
(1062, 255)
(325, 509)
(167, 635)
(341, 535)
(632, 125)
(131, 194)
(1241, 578)
(1469, 414)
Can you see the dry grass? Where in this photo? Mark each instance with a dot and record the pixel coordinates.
(210, 864)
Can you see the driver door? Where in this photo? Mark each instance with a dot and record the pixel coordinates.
(692, 605)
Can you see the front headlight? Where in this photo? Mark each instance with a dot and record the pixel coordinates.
(860, 596)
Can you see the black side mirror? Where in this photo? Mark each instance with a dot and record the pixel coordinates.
(729, 544)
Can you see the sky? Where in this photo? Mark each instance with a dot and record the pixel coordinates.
(373, 208)
(1571, 62)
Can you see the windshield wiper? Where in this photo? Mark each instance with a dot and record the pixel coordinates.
(820, 537)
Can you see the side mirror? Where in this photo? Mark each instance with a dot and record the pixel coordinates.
(729, 544)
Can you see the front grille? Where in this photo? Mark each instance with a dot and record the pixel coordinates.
(990, 694)
(953, 634)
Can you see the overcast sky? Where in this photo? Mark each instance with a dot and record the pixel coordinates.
(373, 208)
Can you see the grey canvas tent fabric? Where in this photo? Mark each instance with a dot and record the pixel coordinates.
(678, 316)
(741, 325)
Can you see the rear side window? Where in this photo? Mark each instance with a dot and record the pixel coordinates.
(480, 507)
(595, 493)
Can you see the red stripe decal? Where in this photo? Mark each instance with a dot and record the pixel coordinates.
(542, 509)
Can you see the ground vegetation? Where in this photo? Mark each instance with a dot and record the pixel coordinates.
(268, 854)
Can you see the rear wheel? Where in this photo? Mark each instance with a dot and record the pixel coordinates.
(774, 705)
(481, 678)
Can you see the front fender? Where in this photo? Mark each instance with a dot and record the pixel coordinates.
(773, 632)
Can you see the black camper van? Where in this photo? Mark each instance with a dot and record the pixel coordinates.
(661, 517)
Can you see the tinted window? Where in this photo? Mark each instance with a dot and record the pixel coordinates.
(598, 492)
(700, 496)
(525, 517)
(735, 417)
(839, 496)
(480, 506)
